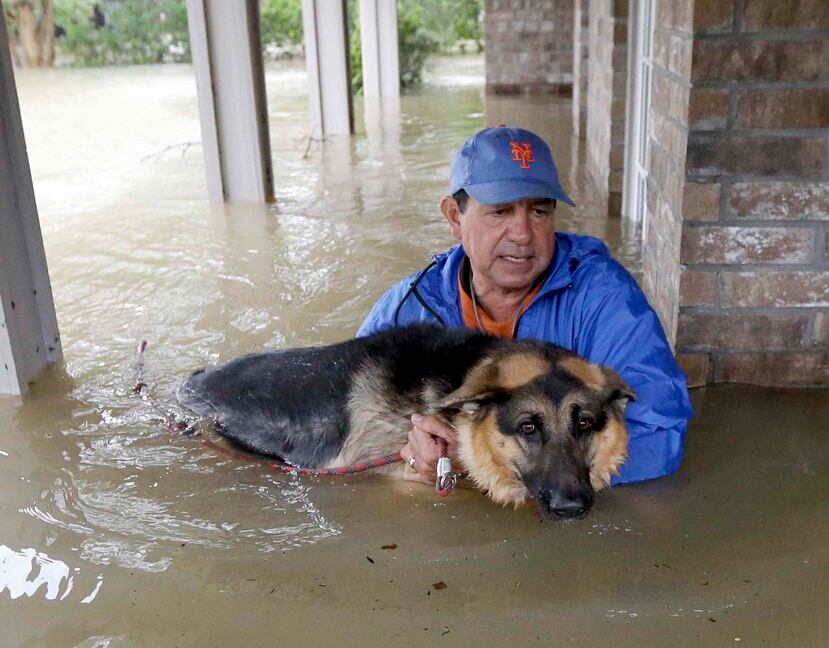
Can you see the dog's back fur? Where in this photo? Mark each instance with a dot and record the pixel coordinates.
(295, 404)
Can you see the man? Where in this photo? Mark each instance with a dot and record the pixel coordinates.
(515, 276)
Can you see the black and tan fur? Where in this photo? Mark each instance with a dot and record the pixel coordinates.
(535, 421)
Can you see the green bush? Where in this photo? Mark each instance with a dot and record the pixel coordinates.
(468, 21)
(80, 40)
(281, 22)
(449, 21)
(155, 31)
(135, 32)
(355, 47)
(415, 43)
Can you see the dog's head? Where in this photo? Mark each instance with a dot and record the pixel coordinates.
(542, 426)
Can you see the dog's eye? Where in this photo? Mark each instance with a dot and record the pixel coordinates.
(528, 428)
(584, 424)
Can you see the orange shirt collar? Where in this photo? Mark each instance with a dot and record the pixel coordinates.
(498, 328)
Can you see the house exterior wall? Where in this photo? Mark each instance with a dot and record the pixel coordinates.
(529, 46)
(755, 238)
(607, 87)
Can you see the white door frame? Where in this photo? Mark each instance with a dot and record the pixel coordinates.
(637, 151)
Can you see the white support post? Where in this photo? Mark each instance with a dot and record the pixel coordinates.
(378, 39)
(227, 56)
(327, 61)
(29, 338)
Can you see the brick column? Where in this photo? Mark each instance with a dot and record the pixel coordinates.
(529, 46)
(755, 285)
(607, 87)
(667, 140)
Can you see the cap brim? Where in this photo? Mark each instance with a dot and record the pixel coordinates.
(506, 191)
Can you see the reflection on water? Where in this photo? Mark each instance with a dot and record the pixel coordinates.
(101, 641)
(198, 548)
(24, 572)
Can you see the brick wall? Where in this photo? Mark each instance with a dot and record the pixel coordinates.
(607, 83)
(529, 46)
(755, 284)
(667, 140)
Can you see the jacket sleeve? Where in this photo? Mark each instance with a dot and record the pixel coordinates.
(621, 330)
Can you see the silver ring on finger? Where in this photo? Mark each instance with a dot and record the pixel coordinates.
(412, 462)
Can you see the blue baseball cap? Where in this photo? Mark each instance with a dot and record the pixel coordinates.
(502, 164)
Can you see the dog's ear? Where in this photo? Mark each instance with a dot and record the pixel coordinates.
(616, 391)
(479, 390)
(473, 406)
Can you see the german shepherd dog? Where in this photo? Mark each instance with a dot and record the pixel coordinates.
(534, 421)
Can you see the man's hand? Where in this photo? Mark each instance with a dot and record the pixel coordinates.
(426, 449)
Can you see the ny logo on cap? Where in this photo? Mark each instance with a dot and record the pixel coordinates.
(522, 152)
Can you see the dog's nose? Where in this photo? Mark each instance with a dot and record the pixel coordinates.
(570, 504)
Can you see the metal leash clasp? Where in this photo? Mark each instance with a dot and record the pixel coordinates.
(446, 479)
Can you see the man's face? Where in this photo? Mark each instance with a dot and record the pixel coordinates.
(509, 245)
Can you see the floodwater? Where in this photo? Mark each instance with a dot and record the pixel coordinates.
(115, 531)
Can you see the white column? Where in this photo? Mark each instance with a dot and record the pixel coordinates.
(326, 57)
(378, 39)
(227, 57)
(29, 338)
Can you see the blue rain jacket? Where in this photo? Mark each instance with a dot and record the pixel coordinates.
(591, 305)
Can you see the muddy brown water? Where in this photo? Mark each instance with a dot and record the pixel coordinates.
(117, 532)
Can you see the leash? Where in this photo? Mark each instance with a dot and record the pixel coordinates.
(444, 484)
(288, 469)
